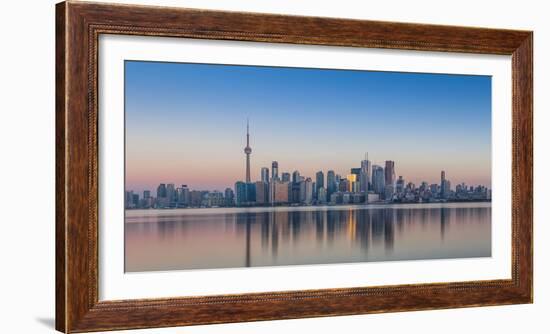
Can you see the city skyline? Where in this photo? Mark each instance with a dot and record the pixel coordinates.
(307, 143)
(362, 185)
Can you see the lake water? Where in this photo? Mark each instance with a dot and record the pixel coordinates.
(248, 237)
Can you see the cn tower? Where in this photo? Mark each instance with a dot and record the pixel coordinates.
(247, 151)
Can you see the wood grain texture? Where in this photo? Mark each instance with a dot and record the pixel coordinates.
(78, 28)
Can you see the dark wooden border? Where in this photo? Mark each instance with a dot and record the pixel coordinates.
(78, 26)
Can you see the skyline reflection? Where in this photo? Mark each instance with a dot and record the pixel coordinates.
(249, 238)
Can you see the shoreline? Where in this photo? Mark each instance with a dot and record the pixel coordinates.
(128, 213)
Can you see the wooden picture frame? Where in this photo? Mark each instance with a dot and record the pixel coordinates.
(78, 26)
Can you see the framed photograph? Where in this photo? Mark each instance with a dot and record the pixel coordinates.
(222, 166)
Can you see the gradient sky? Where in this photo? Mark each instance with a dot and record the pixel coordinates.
(186, 123)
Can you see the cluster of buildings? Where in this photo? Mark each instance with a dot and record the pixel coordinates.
(364, 184)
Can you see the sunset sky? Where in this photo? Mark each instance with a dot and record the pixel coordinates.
(186, 123)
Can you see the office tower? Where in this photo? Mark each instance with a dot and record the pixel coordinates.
(285, 177)
(295, 191)
(390, 173)
(265, 174)
(351, 178)
(274, 170)
(434, 189)
(128, 196)
(308, 191)
(162, 199)
(281, 191)
(344, 185)
(262, 192)
(196, 198)
(135, 200)
(388, 192)
(183, 195)
(250, 193)
(170, 193)
(356, 172)
(331, 183)
(321, 195)
(229, 197)
(319, 182)
(146, 194)
(295, 176)
(400, 185)
(378, 180)
(240, 193)
(302, 191)
(365, 175)
(442, 188)
(161, 190)
(247, 151)
(214, 199)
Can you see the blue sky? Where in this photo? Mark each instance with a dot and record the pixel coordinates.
(185, 123)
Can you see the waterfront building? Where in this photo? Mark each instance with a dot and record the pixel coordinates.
(183, 195)
(264, 172)
(308, 199)
(196, 198)
(229, 197)
(356, 172)
(331, 183)
(365, 175)
(388, 192)
(296, 178)
(250, 193)
(372, 197)
(322, 195)
(274, 170)
(281, 192)
(215, 199)
(161, 190)
(378, 180)
(336, 198)
(171, 194)
(240, 193)
(400, 185)
(344, 185)
(285, 177)
(262, 193)
(319, 183)
(389, 173)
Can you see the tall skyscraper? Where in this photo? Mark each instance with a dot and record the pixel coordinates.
(445, 185)
(262, 192)
(352, 179)
(240, 193)
(247, 151)
(319, 182)
(265, 174)
(295, 176)
(274, 170)
(229, 197)
(171, 193)
(378, 180)
(331, 183)
(365, 174)
(308, 191)
(161, 190)
(390, 172)
(442, 188)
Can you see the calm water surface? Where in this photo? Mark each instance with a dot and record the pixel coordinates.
(241, 237)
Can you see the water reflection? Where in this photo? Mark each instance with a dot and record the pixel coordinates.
(218, 238)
